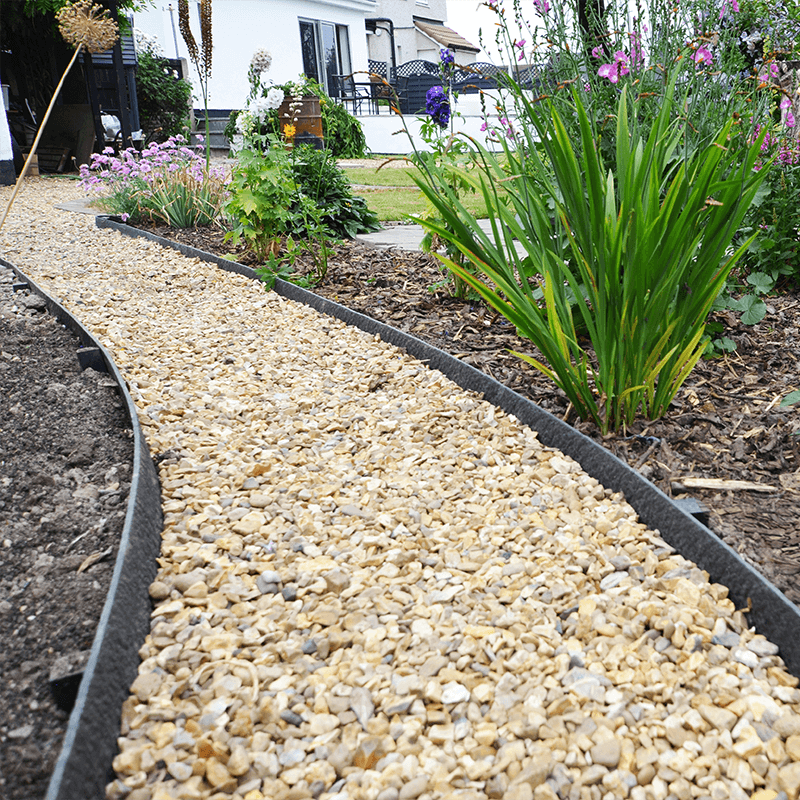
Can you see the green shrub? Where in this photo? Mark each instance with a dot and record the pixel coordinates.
(299, 193)
(344, 137)
(163, 98)
(320, 179)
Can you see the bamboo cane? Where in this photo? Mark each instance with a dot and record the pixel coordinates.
(39, 134)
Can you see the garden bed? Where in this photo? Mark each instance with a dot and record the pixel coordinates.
(725, 425)
(68, 454)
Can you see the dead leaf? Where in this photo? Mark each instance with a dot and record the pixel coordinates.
(91, 560)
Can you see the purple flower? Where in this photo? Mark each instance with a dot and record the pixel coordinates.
(124, 216)
(542, 6)
(437, 106)
(446, 56)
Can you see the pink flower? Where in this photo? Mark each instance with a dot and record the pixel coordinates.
(785, 103)
(542, 6)
(609, 71)
(790, 121)
(597, 51)
(520, 43)
(623, 62)
(734, 7)
(702, 56)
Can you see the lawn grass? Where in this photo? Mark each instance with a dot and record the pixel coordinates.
(388, 176)
(404, 199)
(393, 204)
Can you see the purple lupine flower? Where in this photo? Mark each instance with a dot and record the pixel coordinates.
(437, 105)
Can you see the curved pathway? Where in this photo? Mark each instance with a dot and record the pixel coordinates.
(373, 584)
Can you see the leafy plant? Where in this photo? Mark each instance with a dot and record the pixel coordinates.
(776, 251)
(321, 179)
(643, 249)
(791, 399)
(262, 205)
(344, 137)
(281, 200)
(167, 182)
(163, 98)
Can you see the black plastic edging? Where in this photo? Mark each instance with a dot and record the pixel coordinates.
(84, 765)
(772, 613)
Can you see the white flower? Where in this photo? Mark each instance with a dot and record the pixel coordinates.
(261, 61)
(244, 122)
(259, 107)
(274, 97)
(143, 43)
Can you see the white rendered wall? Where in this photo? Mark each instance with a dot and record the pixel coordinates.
(240, 27)
(385, 133)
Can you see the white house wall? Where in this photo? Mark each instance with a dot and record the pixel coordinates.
(409, 42)
(240, 27)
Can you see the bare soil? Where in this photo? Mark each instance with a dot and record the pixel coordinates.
(66, 453)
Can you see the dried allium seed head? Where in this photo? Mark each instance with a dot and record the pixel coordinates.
(261, 61)
(84, 23)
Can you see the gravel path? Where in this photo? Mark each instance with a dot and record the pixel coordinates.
(375, 585)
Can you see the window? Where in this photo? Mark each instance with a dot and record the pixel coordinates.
(326, 55)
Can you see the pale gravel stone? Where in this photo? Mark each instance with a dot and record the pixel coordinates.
(424, 541)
